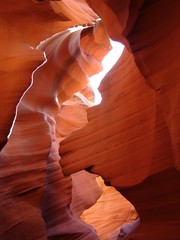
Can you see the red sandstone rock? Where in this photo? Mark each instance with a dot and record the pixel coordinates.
(35, 196)
(131, 139)
(134, 127)
(110, 211)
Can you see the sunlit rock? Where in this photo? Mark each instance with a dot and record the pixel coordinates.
(55, 143)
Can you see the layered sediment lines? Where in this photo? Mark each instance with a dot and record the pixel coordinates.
(49, 138)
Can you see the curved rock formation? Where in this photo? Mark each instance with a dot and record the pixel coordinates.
(31, 177)
(131, 139)
(110, 212)
(137, 147)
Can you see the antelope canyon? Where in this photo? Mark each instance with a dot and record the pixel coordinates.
(72, 169)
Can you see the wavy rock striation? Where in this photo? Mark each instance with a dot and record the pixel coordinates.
(36, 198)
(136, 147)
(131, 139)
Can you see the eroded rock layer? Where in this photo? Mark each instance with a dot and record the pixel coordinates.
(49, 137)
(134, 127)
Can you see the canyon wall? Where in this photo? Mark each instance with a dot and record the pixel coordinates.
(53, 146)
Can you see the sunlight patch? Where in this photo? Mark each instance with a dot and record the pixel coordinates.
(108, 62)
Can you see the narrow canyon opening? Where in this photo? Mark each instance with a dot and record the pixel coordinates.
(113, 216)
(74, 141)
(108, 62)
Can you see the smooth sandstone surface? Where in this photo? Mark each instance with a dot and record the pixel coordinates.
(54, 147)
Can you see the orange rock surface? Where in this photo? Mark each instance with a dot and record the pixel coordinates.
(110, 212)
(53, 146)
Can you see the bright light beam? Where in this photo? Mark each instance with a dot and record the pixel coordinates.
(108, 62)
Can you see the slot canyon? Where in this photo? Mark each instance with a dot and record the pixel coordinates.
(71, 169)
